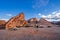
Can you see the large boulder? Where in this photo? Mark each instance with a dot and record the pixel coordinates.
(16, 21)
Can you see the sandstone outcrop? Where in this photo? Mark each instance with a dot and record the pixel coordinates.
(32, 22)
(16, 21)
(45, 23)
(19, 21)
(2, 24)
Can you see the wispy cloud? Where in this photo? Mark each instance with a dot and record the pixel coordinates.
(54, 16)
(8, 14)
(39, 3)
(39, 14)
(6, 17)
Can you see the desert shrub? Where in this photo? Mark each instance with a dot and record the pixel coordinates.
(48, 26)
(36, 26)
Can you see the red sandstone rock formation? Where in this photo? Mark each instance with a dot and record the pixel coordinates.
(16, 21)
(2, 24)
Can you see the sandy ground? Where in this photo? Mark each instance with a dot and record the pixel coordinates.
(31, 34)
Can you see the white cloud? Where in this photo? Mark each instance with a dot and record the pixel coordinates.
(39, 14)
(4, 19)
(8, 14)
(54, 16)
(39, 3)
(54, 12)
(53, 19)
(43, 16)
(49, 16)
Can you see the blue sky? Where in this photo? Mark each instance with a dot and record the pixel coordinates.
(31, 8)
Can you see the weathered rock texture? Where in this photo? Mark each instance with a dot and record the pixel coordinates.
(45, 23)
(19, 21)
(32, 22)
(16, 21)
(2, 24)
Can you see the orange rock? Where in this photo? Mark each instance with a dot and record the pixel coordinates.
(16, 21)
(2, 24)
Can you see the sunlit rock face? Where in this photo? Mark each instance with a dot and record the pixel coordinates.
(45, 23)
(2, 24)
(16, 21)
(32, 22)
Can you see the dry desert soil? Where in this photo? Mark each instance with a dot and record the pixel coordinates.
(31, 33)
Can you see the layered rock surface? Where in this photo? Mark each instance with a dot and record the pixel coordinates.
(16, 21)
(32, 22)
(45, 23)
(19, 21)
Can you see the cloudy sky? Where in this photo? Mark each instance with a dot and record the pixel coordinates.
(48, 9)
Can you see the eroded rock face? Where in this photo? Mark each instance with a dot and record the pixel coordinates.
(16, 21)
(2, 24)
(33, 20)
(45, 23)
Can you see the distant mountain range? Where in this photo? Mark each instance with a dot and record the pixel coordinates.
(56, 22)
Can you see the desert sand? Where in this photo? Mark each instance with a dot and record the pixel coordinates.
(31, 33)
